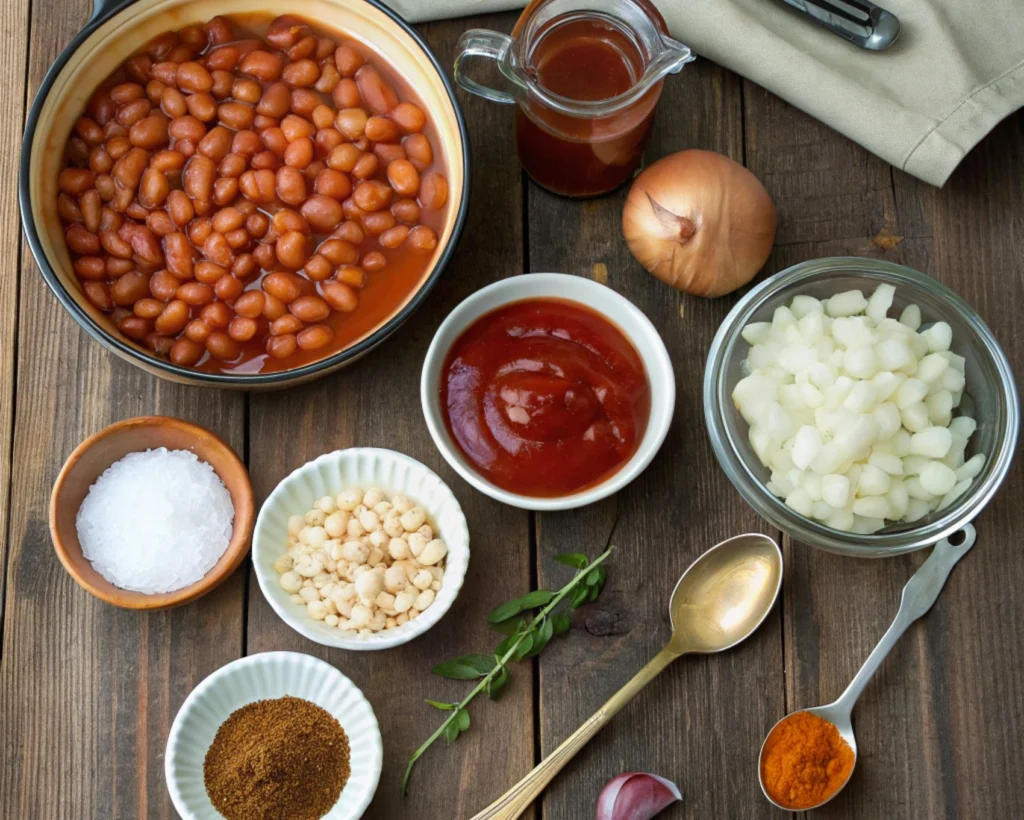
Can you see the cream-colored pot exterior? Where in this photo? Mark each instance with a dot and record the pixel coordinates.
(126, 33)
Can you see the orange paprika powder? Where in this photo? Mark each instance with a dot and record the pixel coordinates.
(805, 761)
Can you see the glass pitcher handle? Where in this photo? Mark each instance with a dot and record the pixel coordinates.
(479, 42)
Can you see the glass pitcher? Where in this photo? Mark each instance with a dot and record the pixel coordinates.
(586, 76)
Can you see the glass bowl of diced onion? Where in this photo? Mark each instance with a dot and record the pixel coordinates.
(758, 430)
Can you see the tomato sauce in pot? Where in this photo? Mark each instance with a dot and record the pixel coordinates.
(545, 397)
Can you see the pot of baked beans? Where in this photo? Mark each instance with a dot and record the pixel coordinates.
(243, 194)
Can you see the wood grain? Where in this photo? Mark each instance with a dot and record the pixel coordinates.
(87, 691)
(14, 44)
(376, 403)
(702, 722)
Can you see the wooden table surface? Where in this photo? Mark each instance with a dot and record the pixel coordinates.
(88, 692)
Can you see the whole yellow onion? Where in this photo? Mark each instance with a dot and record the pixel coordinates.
(699, 222)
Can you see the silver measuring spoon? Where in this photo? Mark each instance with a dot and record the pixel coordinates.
(862, 23)
(919, 594)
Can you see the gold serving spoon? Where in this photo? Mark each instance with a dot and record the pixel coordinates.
(719, 601)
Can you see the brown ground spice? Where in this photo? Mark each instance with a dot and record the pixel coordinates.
(283, 759)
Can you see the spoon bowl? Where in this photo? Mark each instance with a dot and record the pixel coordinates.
(725, 594)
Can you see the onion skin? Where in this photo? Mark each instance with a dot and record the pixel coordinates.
(699, 222)
(635, 796)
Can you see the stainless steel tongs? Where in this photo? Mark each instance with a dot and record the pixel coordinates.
(862, 23)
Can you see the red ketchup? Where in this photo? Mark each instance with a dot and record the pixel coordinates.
(545, 397)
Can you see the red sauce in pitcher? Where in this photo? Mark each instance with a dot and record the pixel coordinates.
(545, 397)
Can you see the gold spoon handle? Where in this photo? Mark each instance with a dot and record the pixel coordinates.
(514, 802)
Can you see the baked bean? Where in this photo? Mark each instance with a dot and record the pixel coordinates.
(332, 184)
(180, 207)
(161, 345)
(276, 101)
(217, 249)
(209, 273)
(68, 208)
(198, 178)
(242, 329)
(351, 122)
(237, 115)
(329, 78)
(286, 324)
(423, 238)
(261, 121)
(299, 153)
(246, 143)
(409, 117)
(305, 47)
(291, 185)
(105, 187)
(374, 261)
(351, 275)
(227, 219)
(237, 239)
(219, 30)
(273, 308)
(366, 167)
(222, 83)
(322, 212)
(198, 331)
(185, 353)
(274, 140)
(216, 315)
(378, 222)
(216, 144)
(286, 31)
(172, 102)
(246, 207)
(394, 237)
(119, 267)
(135, 210)
(144, 243)
(372, 195)
(265, 160)
(100, 107)
(148, 307)
(381, 129)
(129, 169)
(90, 205)
(338, 252)
(406, 210)
(348, 60)
(128, 289)
(90, 267)
(178, 255)
(99, 294)
(404, 177)
(256, 225)
(304, 101)
(115, 245)
(149, 132)
(263, 65)
(122, 198)
(344, 157)
(285, 286)
(192, 76)
(288, 220)
(294, 127)
(202, 106)
(244, 267)
(165, 71)
(117, 147)
(433, 191)
(76, 181)
(326, 140)
(315, 337)
(281, 347)
(352, 211)
(172, 317)
(195, 293)
(346, 94)
(199, 230)
(246, 91)
(228, 288)
(375, 90)
(167, 161)
(155, 91)
(194, 36)
(133, 327)
(222, 346)
(418, 150)
(312, 171)
(318, 268)
(302, 73)
(223, 58)
(388, 152)
(186, 128)
(310, 309)
(265, 256)
(181, 53)
(89, 130)
(349, 231)
(250, 304)
(292, 249)
(232, 165)
(160, 223)
(132, 112)
(340, 296)
(78, 151)
(124, 93)
(81, 240)
(154, 188)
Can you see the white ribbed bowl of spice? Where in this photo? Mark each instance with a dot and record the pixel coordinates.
(266, 677)
(360, 469)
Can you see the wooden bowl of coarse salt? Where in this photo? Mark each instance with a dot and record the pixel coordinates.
(151, 512)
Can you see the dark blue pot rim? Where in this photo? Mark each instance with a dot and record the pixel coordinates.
(105, 10)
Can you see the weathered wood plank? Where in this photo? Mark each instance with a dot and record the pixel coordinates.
(376, 403)
(13, 41)
(701, 723)
(87, 691)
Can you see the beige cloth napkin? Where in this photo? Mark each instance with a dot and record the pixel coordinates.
(921, 105)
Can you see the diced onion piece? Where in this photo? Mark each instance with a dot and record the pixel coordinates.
(849, 303)
(887, 463)
(911, 317)
(937, 478)
(958, 490)
(933, 442)
(971, 468)
(873, 481)
(804, 305)
(757, 333)
(915, 417)
(835, 490)
(931, 368)
(799, 501)
(880, 302)
(910, 392)
(939, 337)
(871, 507)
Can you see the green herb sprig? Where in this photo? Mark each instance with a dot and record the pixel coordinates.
(525, 638)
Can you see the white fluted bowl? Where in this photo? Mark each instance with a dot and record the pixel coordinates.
(262, 677)
(361, 467)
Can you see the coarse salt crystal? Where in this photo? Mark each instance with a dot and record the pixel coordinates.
(156, 521)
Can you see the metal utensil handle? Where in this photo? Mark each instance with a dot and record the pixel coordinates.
(853, 20)
(919, 594)
(516, 800)
(492, 45)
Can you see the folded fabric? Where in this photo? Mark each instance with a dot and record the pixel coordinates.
(955, 72)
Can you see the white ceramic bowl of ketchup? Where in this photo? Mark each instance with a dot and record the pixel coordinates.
(600, 299)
